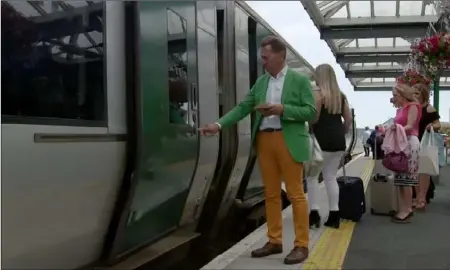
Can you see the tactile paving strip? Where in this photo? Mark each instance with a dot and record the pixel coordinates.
(331, 249)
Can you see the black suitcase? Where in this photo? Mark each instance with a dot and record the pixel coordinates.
(352, 200)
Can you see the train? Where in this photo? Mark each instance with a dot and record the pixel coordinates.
(101, 105)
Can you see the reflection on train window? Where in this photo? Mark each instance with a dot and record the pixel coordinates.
(177, 65)
(52, 59)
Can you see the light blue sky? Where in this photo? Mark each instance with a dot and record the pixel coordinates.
(292, 22)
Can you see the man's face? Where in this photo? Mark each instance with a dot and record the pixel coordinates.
(271, 60)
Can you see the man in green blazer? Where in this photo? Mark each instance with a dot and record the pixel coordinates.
(284, 102)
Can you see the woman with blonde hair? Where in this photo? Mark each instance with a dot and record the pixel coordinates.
(429, 119)
(329, 130)
(408, 116)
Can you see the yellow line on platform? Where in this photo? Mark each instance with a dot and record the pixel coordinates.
(330, 250)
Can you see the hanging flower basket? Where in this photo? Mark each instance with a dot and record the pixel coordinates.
(412, 77)
(433, 53)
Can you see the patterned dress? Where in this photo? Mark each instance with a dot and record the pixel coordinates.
(409, 178)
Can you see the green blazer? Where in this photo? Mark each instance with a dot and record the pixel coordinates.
(299, 107)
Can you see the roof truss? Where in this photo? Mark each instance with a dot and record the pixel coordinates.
(371, 39)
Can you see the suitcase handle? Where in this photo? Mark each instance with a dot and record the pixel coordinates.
(379, 178)
(364, 205)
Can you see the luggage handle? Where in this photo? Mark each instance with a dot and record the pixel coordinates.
(380, 178)
(342, 162)
(363, 205)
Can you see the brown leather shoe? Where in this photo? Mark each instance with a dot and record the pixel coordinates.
(267, 249)
(297, 255)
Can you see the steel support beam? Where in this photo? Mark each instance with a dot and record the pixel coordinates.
(374, 50)
(393, 20)
(378, 68)
(343, 42)
(379, 74)
(345, 59)
(329, 11)
(373, 31)
(388, 88)
(313, 11)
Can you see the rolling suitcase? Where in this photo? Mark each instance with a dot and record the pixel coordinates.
(382, 192)
(352, 201)
(383, 195)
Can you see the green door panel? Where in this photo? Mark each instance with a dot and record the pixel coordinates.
(168, 144)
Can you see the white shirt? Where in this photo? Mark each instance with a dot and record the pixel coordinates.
(365, 136)
(273, 96)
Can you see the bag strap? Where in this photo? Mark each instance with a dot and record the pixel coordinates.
(342, 163)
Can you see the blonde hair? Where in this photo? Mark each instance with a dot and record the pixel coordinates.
(424, 92)
(406, 92)
(329, 88)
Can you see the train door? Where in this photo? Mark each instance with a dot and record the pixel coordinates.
(167, 114)
(253, 185)
(241, 87)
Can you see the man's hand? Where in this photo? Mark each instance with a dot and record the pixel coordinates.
(275, 109)
(210, 129)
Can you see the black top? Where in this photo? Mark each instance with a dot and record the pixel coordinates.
(427, 118)
(329, 130)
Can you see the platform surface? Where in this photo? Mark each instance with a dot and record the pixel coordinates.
(373, 243)
(378, 243)
(238, 257)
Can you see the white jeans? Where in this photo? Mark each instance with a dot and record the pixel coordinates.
(331, 162)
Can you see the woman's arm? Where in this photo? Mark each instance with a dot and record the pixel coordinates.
(413, 113)
(436, 124)
(347, 116)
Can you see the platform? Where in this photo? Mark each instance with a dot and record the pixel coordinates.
(373, 243)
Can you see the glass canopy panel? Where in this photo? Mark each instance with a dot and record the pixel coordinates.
(384, 8)
(342, 13)
(359, 9)
(429, 10)
(352, 44)
(385, 42)
(399, 42)
(410, 8)
(366, 42)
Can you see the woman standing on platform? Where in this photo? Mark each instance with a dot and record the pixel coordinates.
(331, 106)
(408, 116)
(429, 119)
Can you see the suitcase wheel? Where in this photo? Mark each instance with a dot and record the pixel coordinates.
(372, 211)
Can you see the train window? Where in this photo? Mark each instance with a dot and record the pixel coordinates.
(53, 61)
(179, 111)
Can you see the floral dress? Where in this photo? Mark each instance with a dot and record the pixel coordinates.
(409, 178)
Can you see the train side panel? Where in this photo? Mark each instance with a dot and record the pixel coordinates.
(63, 134)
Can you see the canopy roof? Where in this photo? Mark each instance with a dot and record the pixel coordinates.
(371, 39)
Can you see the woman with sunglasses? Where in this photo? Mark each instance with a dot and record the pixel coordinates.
(408, 116)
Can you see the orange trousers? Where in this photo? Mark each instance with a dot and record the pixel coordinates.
(276, 162)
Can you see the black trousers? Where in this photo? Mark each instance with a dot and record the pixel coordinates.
(366, 150)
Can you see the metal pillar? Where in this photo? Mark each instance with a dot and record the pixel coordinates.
(436, 94)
